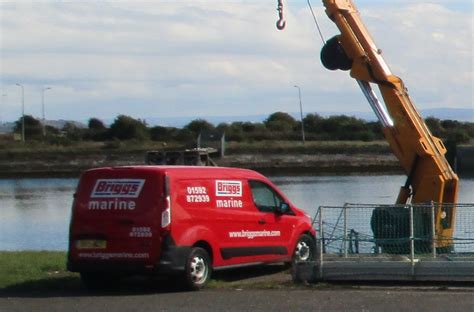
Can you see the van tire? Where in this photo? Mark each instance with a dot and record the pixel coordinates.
(305, 249)
(198, 269)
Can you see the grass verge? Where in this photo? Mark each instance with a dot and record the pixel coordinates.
(33, 269)
(40, 150)
(310, 147)
(43, 273)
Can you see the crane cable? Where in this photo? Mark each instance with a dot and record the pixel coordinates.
(316, 22)
(281, 23)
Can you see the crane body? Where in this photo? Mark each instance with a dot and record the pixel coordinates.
(430, 178)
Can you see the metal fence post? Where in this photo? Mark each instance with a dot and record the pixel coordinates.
(345, 230)
(412, 242)
(321, 244)
(433, 230)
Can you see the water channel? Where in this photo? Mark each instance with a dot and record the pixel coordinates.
(35, 213)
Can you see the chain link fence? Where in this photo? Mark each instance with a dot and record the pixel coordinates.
(417, 230)
(426, 242)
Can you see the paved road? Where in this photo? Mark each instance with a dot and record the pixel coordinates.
(239, 290)
(370, 299)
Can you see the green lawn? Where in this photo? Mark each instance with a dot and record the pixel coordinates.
(18, 269)
(40, 272)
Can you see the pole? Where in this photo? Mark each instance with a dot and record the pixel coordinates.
(321, 242)
(3, 102)
(412, 242)
(42, 109)
(433, 230)
(345, 230)
(223, 145)
(22, 112)
(301, 114)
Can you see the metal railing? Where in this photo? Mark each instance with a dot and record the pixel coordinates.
(394, 232)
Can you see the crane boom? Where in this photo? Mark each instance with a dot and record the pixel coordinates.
(421, 155)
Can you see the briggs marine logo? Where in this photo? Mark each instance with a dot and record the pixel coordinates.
(228, 188)
(122, 188)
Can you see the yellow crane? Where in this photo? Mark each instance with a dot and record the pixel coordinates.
(421, 155)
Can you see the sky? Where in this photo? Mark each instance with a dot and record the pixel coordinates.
(218, 58)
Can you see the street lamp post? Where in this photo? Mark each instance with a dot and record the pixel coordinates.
(3, 102)
(42, 109)
(301, 113)
(22, 112)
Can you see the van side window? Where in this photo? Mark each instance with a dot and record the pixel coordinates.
(264, 197)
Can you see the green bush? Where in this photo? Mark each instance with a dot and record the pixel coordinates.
(280, 122)
(33, 127)
(128, 128)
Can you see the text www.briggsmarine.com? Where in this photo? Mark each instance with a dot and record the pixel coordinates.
(108, 255)
(252, 234)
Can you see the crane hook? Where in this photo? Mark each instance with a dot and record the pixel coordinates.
(281, 23)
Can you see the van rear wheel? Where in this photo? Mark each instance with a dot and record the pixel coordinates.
(198, 269)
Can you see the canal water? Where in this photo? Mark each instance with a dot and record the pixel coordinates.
(35, 213)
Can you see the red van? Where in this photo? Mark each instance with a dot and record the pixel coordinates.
(185, 220)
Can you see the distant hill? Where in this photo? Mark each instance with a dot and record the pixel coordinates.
(6, 127)
(460, 114)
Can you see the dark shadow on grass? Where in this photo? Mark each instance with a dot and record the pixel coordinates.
(50, 287)
(73, 287)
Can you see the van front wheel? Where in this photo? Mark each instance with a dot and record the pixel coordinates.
(305, 249)
(198, 269)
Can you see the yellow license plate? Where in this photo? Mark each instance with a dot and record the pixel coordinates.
(91, 244)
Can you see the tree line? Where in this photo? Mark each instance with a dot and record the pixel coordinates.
(278, 126)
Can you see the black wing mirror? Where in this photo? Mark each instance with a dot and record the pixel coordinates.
(284, 208)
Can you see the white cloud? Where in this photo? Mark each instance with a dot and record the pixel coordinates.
(172, 58)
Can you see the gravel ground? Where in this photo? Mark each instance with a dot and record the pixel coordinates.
(267, 288)
(253, 300)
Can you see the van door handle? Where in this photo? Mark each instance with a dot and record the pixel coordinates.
(262, 221)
